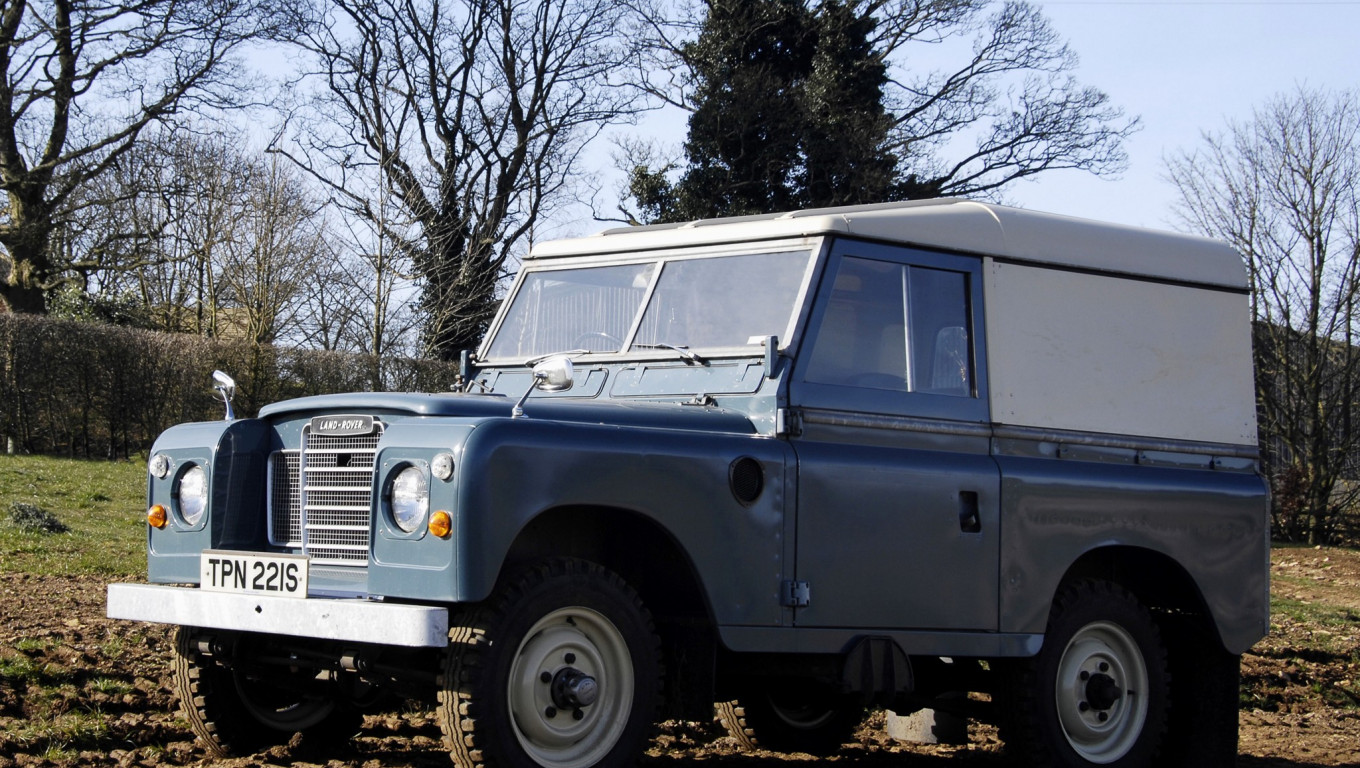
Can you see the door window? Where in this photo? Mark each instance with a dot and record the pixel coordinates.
(895, 327)
(896, 331)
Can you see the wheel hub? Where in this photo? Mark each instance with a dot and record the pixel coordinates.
(1102, 692)
(573, 689)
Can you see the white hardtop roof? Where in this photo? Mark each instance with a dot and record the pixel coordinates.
(955, 225)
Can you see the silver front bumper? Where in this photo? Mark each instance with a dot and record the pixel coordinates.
(361, 621)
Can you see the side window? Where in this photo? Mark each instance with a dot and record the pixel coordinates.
(895, 327)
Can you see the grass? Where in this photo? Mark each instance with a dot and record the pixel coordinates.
(1312, 659)
(116, 645)
(18, 670)
(63, 734)
(1322, 614)
(101, 502)
(110, 686)
(32, 644)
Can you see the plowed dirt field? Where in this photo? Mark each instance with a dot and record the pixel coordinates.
(79, 689)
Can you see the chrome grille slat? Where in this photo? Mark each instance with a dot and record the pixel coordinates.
(321, 499)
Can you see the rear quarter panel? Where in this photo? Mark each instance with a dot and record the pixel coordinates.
(1212, 522)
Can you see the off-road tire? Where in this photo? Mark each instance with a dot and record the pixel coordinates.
(1091, 623)
(559, 609)
(1203, 733)
(227, 726)
(764, 718)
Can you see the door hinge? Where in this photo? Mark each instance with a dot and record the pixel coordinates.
(795, 594)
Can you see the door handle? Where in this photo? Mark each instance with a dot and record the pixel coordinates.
(969, 519)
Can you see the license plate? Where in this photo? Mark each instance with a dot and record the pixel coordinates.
(279, 575)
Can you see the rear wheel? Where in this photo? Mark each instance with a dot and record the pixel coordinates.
(1205, 699)
(1098, 692)
(560, 670)
(235, 711)
(788, 715)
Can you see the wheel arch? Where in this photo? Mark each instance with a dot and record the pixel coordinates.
(1157, 580)
(653, 562)
(632, 545)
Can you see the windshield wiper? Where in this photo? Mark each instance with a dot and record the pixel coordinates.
(683, 351)
(572, 353)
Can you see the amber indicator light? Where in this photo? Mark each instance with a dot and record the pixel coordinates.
(441, 524)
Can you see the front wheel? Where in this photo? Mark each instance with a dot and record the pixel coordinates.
(239, 709)
(561, 669)
(1097, 692)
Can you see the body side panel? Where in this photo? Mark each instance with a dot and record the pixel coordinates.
(1211, 522)
(525, 467)
(897, 528)
(1124, 356)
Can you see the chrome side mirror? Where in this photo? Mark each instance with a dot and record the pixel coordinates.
(226, 387)
(556, 374)
(552, 374)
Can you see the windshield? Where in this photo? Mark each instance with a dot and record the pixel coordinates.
(710, 303)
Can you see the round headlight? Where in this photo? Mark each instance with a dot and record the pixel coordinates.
(410, 499)
(191, 495)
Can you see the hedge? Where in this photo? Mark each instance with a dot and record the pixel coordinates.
(98, 391)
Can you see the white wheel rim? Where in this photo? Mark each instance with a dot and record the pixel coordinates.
(583, 640)
(1101, 692)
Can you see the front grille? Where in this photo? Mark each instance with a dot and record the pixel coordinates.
(285, 499)
(321, 497)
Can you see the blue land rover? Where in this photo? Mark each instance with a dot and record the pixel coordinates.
(801, 465)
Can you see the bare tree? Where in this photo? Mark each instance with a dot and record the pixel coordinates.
(279, 240)
(474, 112)
(81, 82)
(332, 305)
(386, 283)
(225, 242)
(158, 222)
(362, 298)
(189, 208)
(1284, 189)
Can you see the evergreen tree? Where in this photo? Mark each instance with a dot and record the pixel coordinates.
(752, 60)
(458, 284)
(788, 113)
(844, 135)
(792, 106)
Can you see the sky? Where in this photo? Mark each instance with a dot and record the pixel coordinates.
(1187, 68)
(1183, 66)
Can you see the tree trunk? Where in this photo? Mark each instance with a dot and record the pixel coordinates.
(25, 299)
(1321, 508)
(30, 267)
